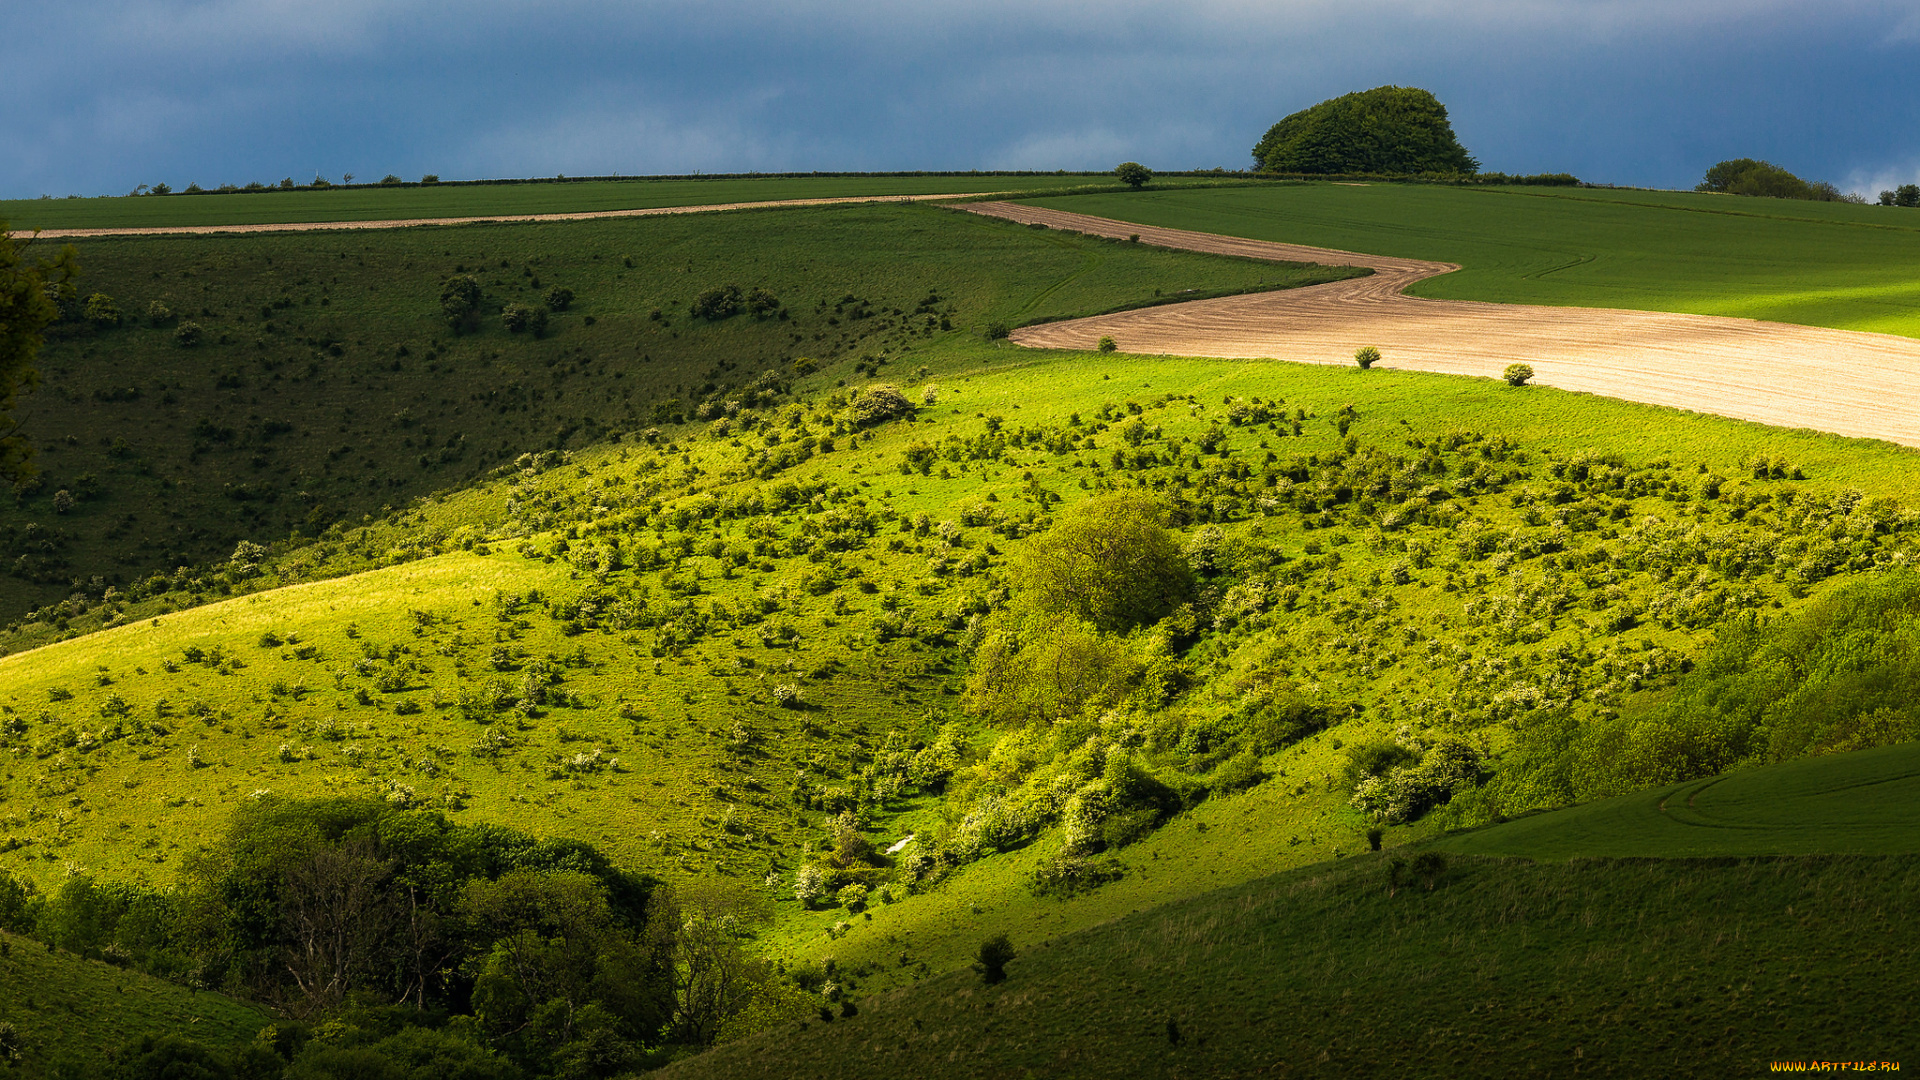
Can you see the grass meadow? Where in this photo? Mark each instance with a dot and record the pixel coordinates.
(1818, 264)
(715, 626)
(327, 384)
(133, 743)
(1861, 803)
(398, 203)
(1488, 967)
(66, 1009)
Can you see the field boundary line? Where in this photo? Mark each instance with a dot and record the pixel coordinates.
(488, 219)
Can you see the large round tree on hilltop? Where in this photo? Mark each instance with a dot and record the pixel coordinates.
(1390, 130)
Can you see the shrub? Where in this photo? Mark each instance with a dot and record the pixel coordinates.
(101, 311)
(390, 180)
(187, 335)
(1237, 773)
(997, 331)
(1374, 836)
(761, 303)
(559, 298)
(809, 884)
(519, 317)
(880, 403)
(1069, 875)
(159, 314)
(852, 897)
(430, 178)
(716, 303)
(1366, 357)
(1133, 174)
(1517, 374)
(1107, 345)
(995, 954)
(460, 301)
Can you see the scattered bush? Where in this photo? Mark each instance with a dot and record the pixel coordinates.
(187, 335)
(997, 331)
(716, 303)
(159, 314)
(518, 318)
(1070, 875)
(761, 303)
(1517, 374)
(559, 298)
(995, 954)
(101, 311)
(1107, 345)
(880, 403)
(460, 301)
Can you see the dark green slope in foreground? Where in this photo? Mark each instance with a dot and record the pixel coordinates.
(1504, 967)
(1864, 803)
(64, 1010)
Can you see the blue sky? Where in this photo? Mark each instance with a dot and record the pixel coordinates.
(108, 94)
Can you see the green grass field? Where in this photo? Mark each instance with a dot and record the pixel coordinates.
(1819, 264)
(327, 385)
(192, 738)
(710, 646)
(67, 1009)
(1632, 968)
(478, 200)
(1862, 803)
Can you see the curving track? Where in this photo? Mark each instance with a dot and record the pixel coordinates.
(1842, 381)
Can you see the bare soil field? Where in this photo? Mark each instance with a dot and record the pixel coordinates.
(406, 223)
(1840, 381)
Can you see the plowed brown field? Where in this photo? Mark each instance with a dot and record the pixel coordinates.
(1841, 381)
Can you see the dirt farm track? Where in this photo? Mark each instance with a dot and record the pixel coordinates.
(1842, 381)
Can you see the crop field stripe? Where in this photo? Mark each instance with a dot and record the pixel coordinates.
(1841, 381)
(1812, 264)
(490, 219)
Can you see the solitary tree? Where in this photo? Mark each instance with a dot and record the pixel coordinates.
(1907, 195)
(1517, 374)
(1108, 561)
(31, 292)
(1133, 174)
(1366, 357)
(995, 954)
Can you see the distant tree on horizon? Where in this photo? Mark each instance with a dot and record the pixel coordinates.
(1389, 130)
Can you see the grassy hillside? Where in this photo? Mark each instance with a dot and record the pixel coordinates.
(326, 382)
(66, 1010)
(473, 200)
(1860, 803)
(1819, 264)
(497, 648)
(1503, 967)
(771, 630)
